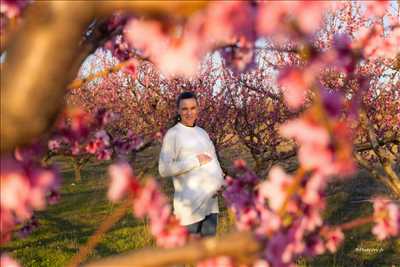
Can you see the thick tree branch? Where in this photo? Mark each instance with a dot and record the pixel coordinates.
(384, 158)
(242, 246)
(150, 8)
(375, 172)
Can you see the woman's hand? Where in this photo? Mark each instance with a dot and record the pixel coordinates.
(220, 191)
(203, 158)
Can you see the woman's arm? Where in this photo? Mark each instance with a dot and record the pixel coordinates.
(168, 165)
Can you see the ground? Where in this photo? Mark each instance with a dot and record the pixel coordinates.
(66, 226)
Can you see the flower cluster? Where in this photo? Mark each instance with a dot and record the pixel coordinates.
(296, 232)
(81, 134)
(386, 217)
(241, 195)
(184, 46)
(25, 187)
(148, 201)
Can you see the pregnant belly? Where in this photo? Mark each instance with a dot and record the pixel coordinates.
(207, 178)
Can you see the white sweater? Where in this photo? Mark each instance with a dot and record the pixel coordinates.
(195, 184)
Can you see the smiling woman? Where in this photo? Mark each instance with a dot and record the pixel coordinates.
(188, 155)
(187, 108)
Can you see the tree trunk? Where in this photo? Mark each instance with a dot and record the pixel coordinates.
(394, 187)
(77, 171)
(392, 183)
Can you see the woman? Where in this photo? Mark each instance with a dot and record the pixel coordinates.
(188, 156)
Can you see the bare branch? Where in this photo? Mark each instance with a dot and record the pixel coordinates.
(242, 246)
(150, 8)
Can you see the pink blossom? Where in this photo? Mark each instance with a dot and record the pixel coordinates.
(314, 246)
(386, 218)
(295, 83)
(225, 20)
(79, 123)
(312, 156)
(54, 144)
(390, 45)
(149, 200)
(333, 238)
(147, 36)
(312, 216)
(240, 193)
(181, 59)
(24, 187)
(100, 141)
(104, 154)
(248, 218)
(121, 176)
(53, 197)
(7, 223)
(75, 148)
(131, 68)
(296, 245)
(375, 44)
(313, 140)
(309, 14)
(274, 14)
(103, 137)
(275, 189)
(271, 15)
(313, 189)
(342, 42)
(43, 180)
(173, 234)
(173, 58)
(92, 147)
(240, 164)
(275, 250)
(270, 222)
(180, 54)
(159, 217)
(104, 117)
(7, 261)
(376, 8)
(15, 190)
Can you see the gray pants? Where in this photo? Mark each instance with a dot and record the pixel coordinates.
(205, 227)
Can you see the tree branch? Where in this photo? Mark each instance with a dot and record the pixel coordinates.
(242, 246)
(383, 156)
(150, 8)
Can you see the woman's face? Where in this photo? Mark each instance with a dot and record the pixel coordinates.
(188, 110)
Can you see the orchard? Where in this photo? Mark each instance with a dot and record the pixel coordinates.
(300, 98)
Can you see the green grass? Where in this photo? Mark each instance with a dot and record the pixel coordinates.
(66, 226)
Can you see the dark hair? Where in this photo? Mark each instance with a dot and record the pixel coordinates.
(183, 95)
